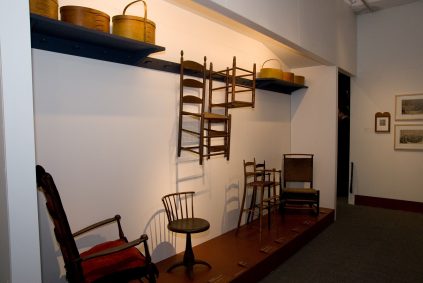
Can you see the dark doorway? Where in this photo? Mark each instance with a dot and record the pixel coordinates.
(343, 134)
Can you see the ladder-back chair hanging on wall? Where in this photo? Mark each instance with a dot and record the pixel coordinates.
(298, 170)
(198, 129)
(111, 261)
(238, 89)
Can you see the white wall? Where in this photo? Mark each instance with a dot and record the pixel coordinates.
(390, 62)
(4, 221)
(321, 28)
(107, 133)
(314, 127)
(18, 214)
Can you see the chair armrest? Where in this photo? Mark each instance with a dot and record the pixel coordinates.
(142, 239)
(98, 224)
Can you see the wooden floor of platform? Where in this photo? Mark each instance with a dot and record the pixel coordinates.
(243, 257)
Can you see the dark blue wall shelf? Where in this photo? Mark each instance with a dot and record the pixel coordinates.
(57, 36)
(62, 37)
(278, 85)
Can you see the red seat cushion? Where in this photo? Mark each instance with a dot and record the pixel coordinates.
(102, 266)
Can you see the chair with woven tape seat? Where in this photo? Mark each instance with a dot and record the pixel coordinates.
(298, 170)
(179, 209)
(198, 129)
(112, 261)
(256, 180)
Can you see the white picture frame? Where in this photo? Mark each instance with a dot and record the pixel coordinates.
(409, 137)
(409, 107)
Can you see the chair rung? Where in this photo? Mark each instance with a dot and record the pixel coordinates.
(245, 70)
(299, 207)
(191, 113)
(215, 117)
(216, 134)
(248, 88)
(223, 104)
(300, 200)
(190, 132)
(216, 148)
(218, 88)
(221, 73)
(191, 149)
(239, 104)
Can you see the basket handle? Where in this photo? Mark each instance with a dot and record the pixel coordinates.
(280, 65)
(145, 15)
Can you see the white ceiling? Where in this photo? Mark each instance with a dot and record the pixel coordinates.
(369, 6)
(293, 57)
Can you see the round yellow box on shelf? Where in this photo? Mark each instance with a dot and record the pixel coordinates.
(86, 17)
(288, 76)
(134, 27)
(299, 80)
(46, 8)
(271, 73)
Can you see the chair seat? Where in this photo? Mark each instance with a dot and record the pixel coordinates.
(97, 268)
(213, 116)
(189, 225)
(299, 191)
(260, 183)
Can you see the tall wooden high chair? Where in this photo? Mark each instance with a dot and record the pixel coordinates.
(256, 181)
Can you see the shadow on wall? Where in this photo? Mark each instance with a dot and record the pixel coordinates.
(188, 170)
(231, 206)
(162, 242)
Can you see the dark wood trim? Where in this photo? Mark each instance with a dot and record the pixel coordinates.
(244, 256)
(389, 203)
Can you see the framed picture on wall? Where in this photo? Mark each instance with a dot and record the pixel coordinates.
(409, 107)
(409, 137)
(382, 122)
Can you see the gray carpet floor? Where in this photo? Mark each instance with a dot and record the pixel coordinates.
(364, 244)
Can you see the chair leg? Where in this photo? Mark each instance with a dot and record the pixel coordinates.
(189, 260)
(261, 208)
(153, 272)
(253, 204)
(242, 207)
(269, 207)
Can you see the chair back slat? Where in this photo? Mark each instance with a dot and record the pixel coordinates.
(179, 205)
(192, 66)
(298, 168)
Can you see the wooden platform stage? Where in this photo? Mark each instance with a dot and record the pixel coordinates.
(243, 257)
